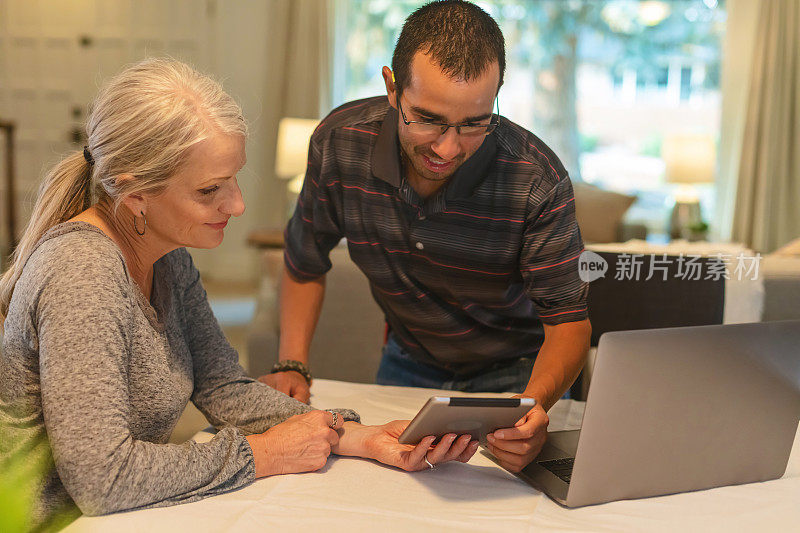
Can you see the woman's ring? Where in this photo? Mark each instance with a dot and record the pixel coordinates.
(335, 420)
(428, 462)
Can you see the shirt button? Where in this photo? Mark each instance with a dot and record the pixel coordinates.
(419, 246)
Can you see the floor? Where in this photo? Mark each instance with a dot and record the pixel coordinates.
(234, 305)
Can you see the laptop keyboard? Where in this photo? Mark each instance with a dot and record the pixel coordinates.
(560, 467)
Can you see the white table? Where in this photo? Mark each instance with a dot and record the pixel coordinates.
(360, 495)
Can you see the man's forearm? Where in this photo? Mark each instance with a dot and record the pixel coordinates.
(559, 361)
(300, 305)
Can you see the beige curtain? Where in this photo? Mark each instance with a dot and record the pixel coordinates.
(737, 60)
(766, 213)
(298, 71)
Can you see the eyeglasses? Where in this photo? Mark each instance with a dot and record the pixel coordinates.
(435, 129)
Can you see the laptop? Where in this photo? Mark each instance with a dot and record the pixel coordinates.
(678, 409)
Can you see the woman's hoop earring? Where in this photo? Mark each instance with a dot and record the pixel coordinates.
(140, 233)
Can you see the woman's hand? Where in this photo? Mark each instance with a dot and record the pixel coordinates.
(300, 444)
(380, 443)
(290, 383)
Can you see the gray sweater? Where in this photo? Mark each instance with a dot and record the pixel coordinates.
(105, 374)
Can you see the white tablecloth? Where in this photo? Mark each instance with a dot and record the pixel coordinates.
(360, 495)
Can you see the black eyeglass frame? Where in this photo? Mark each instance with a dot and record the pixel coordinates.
(490, 127)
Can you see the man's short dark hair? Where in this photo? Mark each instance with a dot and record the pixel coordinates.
(461, 37)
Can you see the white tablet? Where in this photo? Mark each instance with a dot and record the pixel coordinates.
(465, 414)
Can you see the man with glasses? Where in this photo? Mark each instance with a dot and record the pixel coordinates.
(462, 221)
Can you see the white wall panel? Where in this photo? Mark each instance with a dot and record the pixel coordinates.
(151, 19)
(55, 115)
(63, 18)
(112, 17)
(187, 51)
(3, 68)
(23, 17)
(29, 166)
(187, 19)
(110, 54)
(23, 62)
(143, 48)
(23, 110)
(3, 98)
(57, 63)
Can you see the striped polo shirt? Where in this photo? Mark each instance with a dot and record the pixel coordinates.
(465, 277)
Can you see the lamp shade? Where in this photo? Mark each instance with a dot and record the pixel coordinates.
(294, 135)
(689, 158)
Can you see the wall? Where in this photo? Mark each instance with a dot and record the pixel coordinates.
(240, 34)
(55, 54)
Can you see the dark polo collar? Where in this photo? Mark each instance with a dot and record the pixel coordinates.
(386, 160)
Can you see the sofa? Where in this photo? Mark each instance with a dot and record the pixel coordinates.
(781, 272)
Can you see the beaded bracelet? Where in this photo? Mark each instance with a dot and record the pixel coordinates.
(291, 365)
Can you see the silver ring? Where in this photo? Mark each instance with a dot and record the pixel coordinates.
(428, 462)
(335, 419)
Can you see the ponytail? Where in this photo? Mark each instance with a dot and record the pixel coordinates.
(64, 193)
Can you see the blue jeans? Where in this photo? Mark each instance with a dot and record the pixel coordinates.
(398, 368)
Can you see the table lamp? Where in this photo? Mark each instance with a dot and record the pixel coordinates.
(291, 156)
(689, 160)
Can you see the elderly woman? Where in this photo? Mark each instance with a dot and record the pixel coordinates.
(108, 331)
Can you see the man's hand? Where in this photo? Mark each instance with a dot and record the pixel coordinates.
(559, 361)
(516, 447)
(290, 383)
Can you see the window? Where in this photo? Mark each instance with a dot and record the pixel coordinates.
(604, 83)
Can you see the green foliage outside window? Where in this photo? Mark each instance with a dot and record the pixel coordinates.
(552, 38)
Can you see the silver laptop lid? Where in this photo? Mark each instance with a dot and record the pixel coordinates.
(680, 409)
